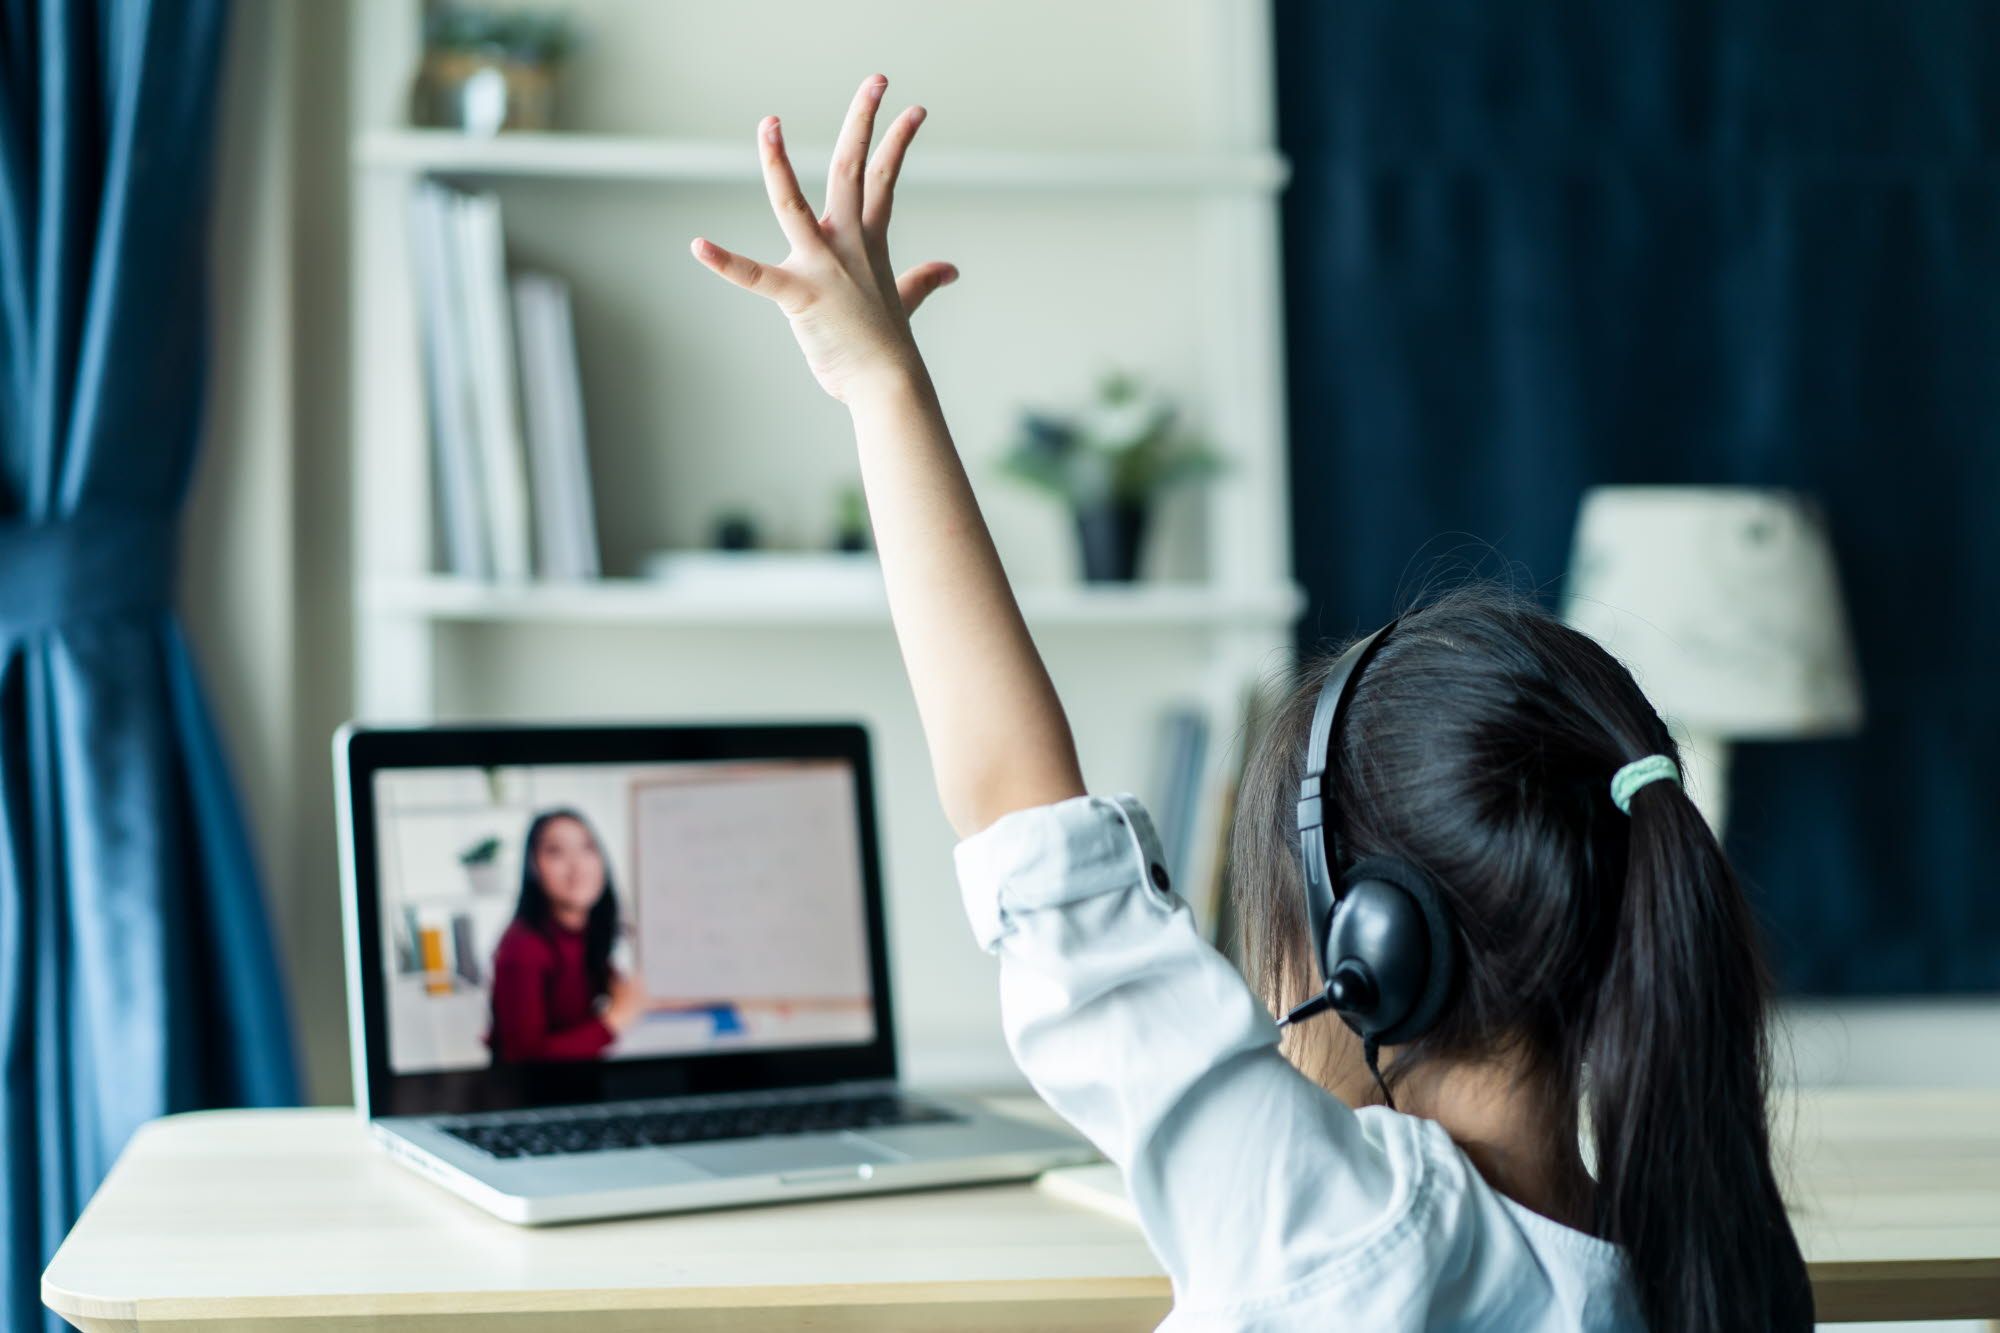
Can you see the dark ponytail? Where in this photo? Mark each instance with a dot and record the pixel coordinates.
(1612, 954)
(1676, 1059)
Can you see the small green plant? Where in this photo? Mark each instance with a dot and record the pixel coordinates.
(850, 520)
(480, 853)
(1123, 450)
(531, 37)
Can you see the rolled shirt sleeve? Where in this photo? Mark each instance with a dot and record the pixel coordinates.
(1248, 1179)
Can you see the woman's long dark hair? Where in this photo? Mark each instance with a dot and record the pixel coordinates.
(1614, 955)
(600, 928)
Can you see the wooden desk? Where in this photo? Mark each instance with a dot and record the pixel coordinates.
(1896, 1200)
(240, 1220)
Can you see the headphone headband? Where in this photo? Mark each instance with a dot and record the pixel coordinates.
(1322, 858)
(1334, 692)
(1381, 932)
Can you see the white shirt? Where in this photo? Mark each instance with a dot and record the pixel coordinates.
(1270, 1203)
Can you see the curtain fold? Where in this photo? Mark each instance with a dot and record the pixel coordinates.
(1532, 248)
(137, 970)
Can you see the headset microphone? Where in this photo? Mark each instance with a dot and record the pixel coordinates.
(1349, 989)
(1307, 1010)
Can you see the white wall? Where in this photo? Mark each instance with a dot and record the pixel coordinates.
(263, 586)
(238, 568)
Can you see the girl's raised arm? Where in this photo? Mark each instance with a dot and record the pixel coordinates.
(998, 738)
(1118, 1011)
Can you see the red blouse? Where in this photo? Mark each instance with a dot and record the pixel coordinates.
(543, 1004)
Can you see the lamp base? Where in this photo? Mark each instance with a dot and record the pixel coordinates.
(1705, 766)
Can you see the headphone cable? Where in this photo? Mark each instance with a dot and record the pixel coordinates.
(1370, 1052)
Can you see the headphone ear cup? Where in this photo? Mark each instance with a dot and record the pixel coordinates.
(1392, 921)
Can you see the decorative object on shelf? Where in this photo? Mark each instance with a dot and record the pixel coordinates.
(487, 70)
(1109, 463)
(482, 867)
(1725, 604)
(735, 530)
(850, 522)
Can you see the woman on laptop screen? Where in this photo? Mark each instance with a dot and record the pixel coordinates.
(555, 993)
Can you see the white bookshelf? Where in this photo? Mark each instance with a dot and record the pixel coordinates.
(1193, 607)
(1117, 207)
(664, 161)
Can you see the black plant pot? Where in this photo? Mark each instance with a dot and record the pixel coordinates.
(1109, 536)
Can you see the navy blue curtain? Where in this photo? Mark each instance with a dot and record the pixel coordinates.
(1533, 247)
(137, 974)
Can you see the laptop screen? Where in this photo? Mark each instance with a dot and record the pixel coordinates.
(572, 912)
(561, 915)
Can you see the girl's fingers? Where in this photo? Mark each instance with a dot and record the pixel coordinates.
(850, 154)
(763, 279)
(884, 170)
(781, 183)
(921, 281)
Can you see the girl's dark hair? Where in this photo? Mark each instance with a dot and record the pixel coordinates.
(1614, 956)
(600, 928)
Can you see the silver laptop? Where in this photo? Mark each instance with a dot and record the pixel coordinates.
(596, 971)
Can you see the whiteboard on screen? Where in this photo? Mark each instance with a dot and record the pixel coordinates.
(749, 886)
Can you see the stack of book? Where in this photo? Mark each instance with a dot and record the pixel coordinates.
(443, 952)
(506, 401)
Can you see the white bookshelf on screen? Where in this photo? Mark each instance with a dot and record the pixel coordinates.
(1106, 178)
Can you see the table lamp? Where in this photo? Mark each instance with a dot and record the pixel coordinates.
(1724, 603)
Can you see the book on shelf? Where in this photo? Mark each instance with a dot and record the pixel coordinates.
(1181, 748)
(1200, 755)
(464, 951)
(1255, 707)
(490, 333)
(558, 455)
(409, 953)
(466, 548)
(506, 401)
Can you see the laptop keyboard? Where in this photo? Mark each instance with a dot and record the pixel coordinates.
(548, 1133)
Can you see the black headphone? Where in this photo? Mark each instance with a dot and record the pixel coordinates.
(1384, 939)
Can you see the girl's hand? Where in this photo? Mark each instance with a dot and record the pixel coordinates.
(848, 309)
(998, 738)
(626, 1004)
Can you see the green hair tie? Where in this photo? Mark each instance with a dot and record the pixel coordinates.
(1627, 780)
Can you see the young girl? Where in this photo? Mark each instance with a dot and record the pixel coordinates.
(1607, 962)
(555, 993)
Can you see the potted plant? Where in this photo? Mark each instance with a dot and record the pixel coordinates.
(482, 866)
(487, 70)
(850, 521)
(1109, 464)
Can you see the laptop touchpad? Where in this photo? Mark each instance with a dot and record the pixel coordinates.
(775, 1156)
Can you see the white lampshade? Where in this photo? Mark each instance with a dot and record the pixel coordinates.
(1723, 602)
